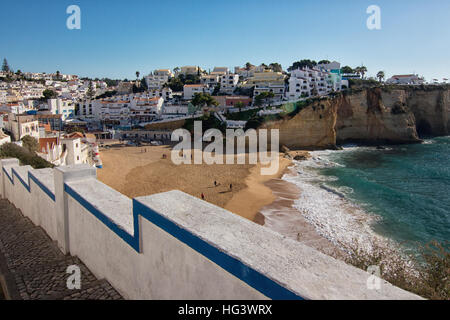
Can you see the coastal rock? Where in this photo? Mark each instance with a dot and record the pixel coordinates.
(312, 127)
(376, 116)
(431, 108)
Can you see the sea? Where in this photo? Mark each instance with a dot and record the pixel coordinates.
(399, 192)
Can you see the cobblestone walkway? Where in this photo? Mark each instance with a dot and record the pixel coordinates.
(32, 266)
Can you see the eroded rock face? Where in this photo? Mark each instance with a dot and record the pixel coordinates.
(370, 116)
(431, 109)
(375, 116)
(313, 127)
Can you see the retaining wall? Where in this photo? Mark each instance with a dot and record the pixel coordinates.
(174, 246)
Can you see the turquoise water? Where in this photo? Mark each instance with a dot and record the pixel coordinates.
(408, 186)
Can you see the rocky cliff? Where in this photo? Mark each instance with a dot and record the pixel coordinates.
(313, 127)
(370, 116)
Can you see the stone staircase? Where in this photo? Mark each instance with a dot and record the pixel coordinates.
(33, 268)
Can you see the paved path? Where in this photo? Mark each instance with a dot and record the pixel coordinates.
(32, 266)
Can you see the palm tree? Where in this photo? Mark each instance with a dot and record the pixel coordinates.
(380, 75)
(137, 74)
(363, 71)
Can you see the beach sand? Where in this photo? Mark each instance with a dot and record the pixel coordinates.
(135, 173)
(282, 217)
(266, 200)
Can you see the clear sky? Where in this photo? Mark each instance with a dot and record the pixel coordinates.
(118, 37)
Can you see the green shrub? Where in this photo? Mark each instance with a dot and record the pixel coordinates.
(25, 156)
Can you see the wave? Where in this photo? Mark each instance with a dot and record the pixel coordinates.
(327, 208)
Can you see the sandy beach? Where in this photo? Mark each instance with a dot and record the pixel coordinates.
(281, 216)
(266, 200)
(140, 171)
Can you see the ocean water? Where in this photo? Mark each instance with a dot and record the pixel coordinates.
(405, 188)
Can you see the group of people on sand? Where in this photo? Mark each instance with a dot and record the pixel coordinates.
(216, 184)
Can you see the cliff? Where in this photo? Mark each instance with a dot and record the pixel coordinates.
(375, 116)
(313, 127)
(392, 115)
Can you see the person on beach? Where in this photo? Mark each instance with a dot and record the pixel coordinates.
(215, 183)
(231, 187)
(203, 196)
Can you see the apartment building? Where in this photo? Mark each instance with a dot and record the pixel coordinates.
(189, 90)
(63, 107)
(264, 78)
(21, 125)
(210, 80)
(312, 82)
(123, 109)
(156, 81)
(228, 83)
(190, 70)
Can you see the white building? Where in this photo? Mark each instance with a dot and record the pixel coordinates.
(63, 152)
(312, 82)
(189, 90)
(59, 106)
(405, 79)
(228, 82)
(210, 80)
(21, 125)
(276, 88)
(123, 109)
(190, 70)
(157, 79)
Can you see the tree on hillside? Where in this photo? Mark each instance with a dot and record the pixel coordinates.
(30, 143)
(264, 96)
(302, 64)
(361, 71)
(176, 84)
(324, 62)
(204, 100)
(91, 92)
(239, 105)
(49, 94)
(347, 69)
(380, 76)
(5, 66)
(137, 74)
(176, 70)
(58, 75)
(248, 66)
(275, 67)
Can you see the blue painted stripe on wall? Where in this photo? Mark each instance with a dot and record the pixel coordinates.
(7, 174)
(253, 278)
(128, 238)
(41, 185)
(27, 186)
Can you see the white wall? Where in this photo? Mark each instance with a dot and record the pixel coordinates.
(175, 246)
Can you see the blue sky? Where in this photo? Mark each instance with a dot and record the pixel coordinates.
(119, 37)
